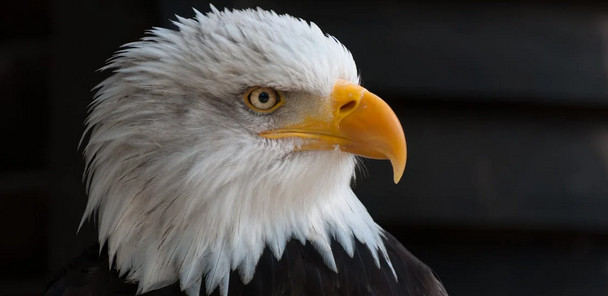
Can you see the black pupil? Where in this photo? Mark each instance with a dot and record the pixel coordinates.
(264, 97)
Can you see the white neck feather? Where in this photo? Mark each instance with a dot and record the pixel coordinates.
(168, 222)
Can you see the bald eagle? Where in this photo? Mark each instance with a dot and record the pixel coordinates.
(219, 162)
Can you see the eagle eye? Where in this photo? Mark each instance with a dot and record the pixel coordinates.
(263, 99)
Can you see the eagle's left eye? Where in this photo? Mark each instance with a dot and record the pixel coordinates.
(263, 99)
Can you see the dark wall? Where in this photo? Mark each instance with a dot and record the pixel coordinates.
(504, 105)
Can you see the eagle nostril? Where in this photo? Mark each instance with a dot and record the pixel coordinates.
(348, 107)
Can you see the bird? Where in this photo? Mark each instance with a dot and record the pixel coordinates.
(219, 158)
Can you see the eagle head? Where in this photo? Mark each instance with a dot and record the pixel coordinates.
(236, 132)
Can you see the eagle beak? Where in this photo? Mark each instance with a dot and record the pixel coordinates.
(356, 121)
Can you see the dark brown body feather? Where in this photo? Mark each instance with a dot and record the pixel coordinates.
(300, 272)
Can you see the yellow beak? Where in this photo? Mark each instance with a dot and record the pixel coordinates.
(357, 122)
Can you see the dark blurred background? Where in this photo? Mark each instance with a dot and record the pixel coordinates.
(504, 105)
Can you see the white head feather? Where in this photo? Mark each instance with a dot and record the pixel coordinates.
(183, 187)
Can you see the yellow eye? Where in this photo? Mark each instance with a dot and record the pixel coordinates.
(263, 99)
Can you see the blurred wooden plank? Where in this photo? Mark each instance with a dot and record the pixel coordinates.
(501, 165)
(24, 225)
(23, 287)
(24, 181)
(85, 34)
(494, 261)
(23, 118)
